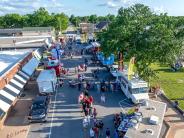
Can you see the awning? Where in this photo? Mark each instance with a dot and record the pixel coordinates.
(9, 93)
(30, 67)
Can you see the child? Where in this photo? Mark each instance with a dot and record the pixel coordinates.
(94, 112)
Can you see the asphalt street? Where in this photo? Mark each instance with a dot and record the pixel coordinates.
(65, 117)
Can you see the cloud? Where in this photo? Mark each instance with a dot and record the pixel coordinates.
(159, 9)
(118, 3)
(109, 4)
(27, 6)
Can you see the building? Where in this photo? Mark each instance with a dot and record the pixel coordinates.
(17, 66)
(152, 120)
(28, 31)
(87, 28)
(101, 26)
(11, 32)
(34, 31)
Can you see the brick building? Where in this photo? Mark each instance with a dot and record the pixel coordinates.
(16, 69)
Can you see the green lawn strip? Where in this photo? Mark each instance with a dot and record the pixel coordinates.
(171, 82)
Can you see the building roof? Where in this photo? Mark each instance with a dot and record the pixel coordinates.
(154, 108)
(10, 57)
(37, 29)
(102, 24)
(135, 82)
(10, 31)
(20, 30)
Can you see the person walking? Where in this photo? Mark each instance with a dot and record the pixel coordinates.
(85, 67)
(107, 132)
(102, 98)
(100, 126)
(61, 82)
(96, 130)
(98, 87)
(92, 133)
(116, 133)
(85, 126)
(94, 113)
(79, 86)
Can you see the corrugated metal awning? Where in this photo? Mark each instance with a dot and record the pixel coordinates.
(9, 93)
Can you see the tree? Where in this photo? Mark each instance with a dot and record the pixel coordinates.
(60, 21)
(144, 35)
(12, 21)
(93, 18)
(40, 17)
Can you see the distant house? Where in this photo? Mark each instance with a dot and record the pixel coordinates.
(87, 27)
(102, 26)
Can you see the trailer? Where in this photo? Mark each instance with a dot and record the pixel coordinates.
(47, 81)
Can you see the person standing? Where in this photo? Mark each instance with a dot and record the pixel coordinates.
(79, 86)
(96, 130)
(85, 67)
(108, 134)
(61, 82)
(102, 98)
(92, 133)
(100, 125)
(94, 113)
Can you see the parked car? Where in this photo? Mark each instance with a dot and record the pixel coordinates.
(38, 111)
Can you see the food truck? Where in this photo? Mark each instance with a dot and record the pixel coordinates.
(47, 81)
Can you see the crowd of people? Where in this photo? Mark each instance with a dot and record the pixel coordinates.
(92, 125)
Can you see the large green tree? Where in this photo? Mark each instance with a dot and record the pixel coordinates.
(142, 34)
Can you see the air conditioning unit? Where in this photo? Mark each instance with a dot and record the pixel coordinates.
(154, 120)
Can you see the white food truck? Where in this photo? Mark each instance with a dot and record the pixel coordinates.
(134, 89)
(47, 81)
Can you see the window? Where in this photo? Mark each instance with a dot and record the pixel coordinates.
(130, 90)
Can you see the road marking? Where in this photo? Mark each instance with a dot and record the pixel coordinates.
(125, 103)
(53, 113)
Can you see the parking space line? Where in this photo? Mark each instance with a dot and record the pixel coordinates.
(53, 112)
(123, 102)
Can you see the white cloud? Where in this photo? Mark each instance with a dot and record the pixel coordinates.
(159, 10)
(27, 6)
(111, 4)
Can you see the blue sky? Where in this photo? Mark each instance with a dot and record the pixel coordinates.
(88, 7)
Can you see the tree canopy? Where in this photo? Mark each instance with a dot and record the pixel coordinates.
(39, 18)
(142, 34)
(75, 20)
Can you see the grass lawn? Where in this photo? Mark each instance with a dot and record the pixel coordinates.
(171, 82)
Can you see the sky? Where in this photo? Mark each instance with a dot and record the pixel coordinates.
(88, 7)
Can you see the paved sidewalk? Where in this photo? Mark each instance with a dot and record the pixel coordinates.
(174, 120)
(16, 125)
